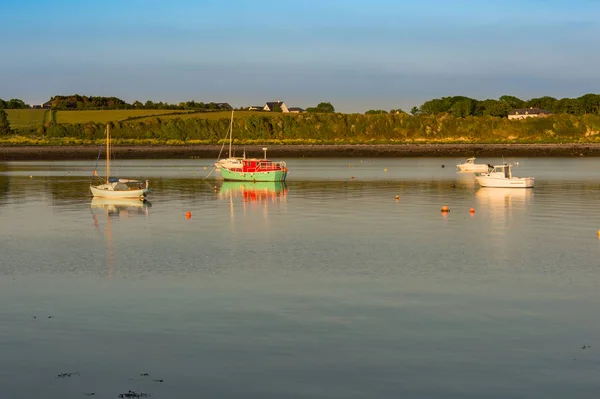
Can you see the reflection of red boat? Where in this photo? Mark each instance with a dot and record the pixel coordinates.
(253, 192)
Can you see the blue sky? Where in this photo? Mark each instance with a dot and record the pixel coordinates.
(358, 55)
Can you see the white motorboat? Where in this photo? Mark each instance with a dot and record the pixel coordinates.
(470, 166)
(113, 187)
(501, 176)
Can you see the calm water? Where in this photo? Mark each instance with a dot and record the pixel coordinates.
(324, 288)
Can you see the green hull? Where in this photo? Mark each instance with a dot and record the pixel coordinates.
(276, 175)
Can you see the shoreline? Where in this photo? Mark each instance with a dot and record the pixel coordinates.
(54, 153)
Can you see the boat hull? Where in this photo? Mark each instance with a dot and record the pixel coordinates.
(105, 193)
(272, 175)
(515, 182)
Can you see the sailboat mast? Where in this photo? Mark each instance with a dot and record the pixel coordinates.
(107, 152)
(231, 134)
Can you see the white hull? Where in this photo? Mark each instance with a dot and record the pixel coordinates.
(481, 167)
(229, 163)
(502, 182)
(107, 193)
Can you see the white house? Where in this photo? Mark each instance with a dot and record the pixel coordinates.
(527, 113)
(271, 106)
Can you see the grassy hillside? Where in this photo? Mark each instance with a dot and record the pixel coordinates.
(103, 116)
(20, 118)
(213, 115)
(166, 127)
(272, 128)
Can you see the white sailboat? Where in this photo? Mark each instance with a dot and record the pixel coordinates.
(231, 162)
(114, 187)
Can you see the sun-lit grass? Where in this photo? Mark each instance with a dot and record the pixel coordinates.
(217, 115)
(26, 117)
(103, 116)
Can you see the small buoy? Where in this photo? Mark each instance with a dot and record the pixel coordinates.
(188, 215)
(31, 176)
(472, 210)
(205, 168)
(349, 165)
(397, 198)
(443, 166)
(385, 169)
(351, 177)
(445, 209)
(598, 233)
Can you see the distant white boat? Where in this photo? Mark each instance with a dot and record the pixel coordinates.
(501, 176)
(470, 166)
(231, 162)
(113, 187)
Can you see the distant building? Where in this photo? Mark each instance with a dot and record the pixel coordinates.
(45, 105)
(271, 106)
(256, 108)
(523, 113)
(295, 110)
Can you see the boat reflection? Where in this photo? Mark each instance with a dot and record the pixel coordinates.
(115, 208)
(503, 197)
(125, 207)
(253, 192)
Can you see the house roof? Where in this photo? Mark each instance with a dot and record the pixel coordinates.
(528, 111)
(223, 105)
(272, 104)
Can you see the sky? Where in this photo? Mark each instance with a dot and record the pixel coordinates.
(358, 55)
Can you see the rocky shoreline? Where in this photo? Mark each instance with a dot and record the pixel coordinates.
(39, 153)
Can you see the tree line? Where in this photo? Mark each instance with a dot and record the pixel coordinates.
(460, 106)
(14, 103)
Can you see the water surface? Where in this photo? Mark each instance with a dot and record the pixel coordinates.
(324, 287)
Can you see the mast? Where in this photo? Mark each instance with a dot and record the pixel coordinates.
(107, 152)
(230, 134)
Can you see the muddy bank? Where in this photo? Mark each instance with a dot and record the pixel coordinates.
(33, 153)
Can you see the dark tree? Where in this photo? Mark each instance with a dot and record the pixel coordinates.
(5, 129)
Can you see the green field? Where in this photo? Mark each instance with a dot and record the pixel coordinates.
(103, 116)
(216, 115)
(26, 117)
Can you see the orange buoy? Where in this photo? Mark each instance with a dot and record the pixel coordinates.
(445, 209)
(397, 197)
(472, 210)
(188, 215)
(351, 177)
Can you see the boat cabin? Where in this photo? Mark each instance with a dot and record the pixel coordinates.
(503, 170)
(260, 165)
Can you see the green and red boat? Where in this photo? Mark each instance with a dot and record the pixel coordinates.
(254, 169)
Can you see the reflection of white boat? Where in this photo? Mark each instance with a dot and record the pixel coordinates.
(252, 192)
(497, 196)
(119, 205)
(114, 187)
(470, 166)
(501, 176)
(231, 162)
